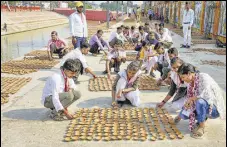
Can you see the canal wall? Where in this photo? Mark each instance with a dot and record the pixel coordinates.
(25, 21)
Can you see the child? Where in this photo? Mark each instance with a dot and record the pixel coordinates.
(163, 58)
(178, 89)
(133, 35)
(147, 58)
(115, 58)
(172, 53)
(142, 37)
(125, 88)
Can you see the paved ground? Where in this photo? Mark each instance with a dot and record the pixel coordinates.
(25, 121)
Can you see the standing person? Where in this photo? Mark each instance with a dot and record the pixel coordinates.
(97, 42)
(126, 86)
(79, 54)
(138, 14)
(60, 91)
(78, 26)
(188, 18)
(56, 45)
(204, 100)
(129, 12)
(150, 14)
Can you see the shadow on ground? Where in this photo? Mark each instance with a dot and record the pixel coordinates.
(28, 114)
(102, 102)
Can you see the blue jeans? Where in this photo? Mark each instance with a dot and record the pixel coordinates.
(202, 111)
(79, 41)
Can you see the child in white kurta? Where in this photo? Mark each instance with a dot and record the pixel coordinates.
(125, 87)
(115, 57)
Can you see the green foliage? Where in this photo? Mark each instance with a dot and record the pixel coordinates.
(72, 4)
(112, 6)
(87, 6)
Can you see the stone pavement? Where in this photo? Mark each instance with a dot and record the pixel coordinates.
(25, 122)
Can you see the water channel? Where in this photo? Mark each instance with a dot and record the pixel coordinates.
(16, 45)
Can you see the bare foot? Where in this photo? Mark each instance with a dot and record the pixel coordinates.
(119, 94)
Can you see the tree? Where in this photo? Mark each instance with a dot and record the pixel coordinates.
(71, 4)
(88, 6)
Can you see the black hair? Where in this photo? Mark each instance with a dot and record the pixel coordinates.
(85, 45)
(146, 23)
(119, 28)
(186, 3)
(132, 27)
(151, 32)
(173, 50)
(126, 27)
(161, 24)
(122, 26)
(176, 59)
(158, 45)
(140, 28)
(186, 68)
(72, 65)
(144, 43)
(54, 33)
(156, 24)
(99, 31)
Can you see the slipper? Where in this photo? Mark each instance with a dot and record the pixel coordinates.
(177, 119)
(198, 133)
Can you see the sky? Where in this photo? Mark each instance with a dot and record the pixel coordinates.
(134, 2)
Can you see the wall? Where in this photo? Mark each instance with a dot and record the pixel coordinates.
(90, 14)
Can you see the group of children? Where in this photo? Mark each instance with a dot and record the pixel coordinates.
(196, 94)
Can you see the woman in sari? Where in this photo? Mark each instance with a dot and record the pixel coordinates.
(204, 99)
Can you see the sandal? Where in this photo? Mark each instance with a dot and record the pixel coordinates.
(177, 119)
(198, 132)
(115, 105)
(57, 117)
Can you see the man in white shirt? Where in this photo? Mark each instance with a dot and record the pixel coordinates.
(165, 38)
(60, 91)
(78, 26)
(118, 35)
(79, 54)
(188, 18)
